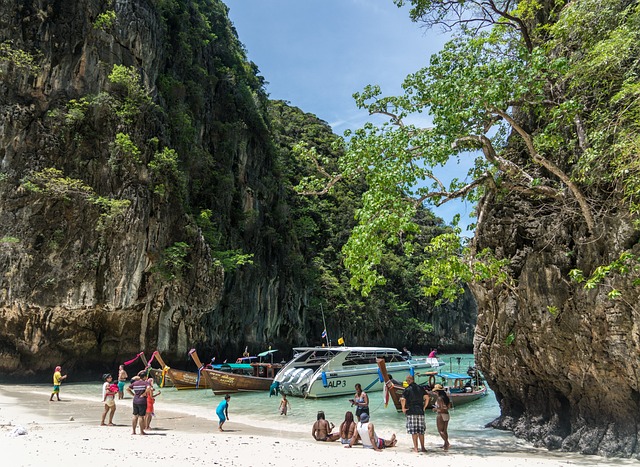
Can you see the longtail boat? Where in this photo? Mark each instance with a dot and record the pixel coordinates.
(183, 379)
(234, 377)
(460, 388)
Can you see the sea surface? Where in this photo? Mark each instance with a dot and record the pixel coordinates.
(467, 428)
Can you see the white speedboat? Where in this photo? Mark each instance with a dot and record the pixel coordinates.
(333, 371)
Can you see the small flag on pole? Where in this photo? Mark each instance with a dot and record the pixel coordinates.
(324, 334)
(340, 341)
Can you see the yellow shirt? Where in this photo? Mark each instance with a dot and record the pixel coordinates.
(57, 378)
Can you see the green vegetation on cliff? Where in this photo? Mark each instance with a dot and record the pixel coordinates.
(544, 96)
(396, 313)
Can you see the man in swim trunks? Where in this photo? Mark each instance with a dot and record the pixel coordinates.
(122, 380)
(139, 389)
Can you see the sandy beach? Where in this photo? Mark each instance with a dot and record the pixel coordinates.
(69, 433)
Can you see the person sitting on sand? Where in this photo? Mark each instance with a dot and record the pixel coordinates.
(321, 430)
(347, 428)
(366, 432)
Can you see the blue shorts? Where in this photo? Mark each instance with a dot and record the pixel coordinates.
(221, 416)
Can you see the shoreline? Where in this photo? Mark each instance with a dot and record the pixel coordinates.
(69, 432)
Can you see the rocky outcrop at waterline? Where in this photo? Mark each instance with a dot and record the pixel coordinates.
(561, 359)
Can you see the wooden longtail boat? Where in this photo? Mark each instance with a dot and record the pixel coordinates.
(461, 389)
(235, 377)
(183, 379)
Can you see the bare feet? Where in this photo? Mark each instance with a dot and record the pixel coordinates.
(220, 428)
(423, 450)
(111, 424)
(103, 424)
(446, 446)
(143, 433)
(394, 441)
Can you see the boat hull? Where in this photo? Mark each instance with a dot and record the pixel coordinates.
(342, 382)
(187, 380)
(183, 379)
(224, 382)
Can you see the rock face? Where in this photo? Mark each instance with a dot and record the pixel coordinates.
(75, 288)
(561, 359)
(136, 158)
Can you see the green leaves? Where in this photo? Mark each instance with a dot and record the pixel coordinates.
(20, 59)
(52, 183)
(449, 266)
(627, 264)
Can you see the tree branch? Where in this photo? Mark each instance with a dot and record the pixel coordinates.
(551, 167)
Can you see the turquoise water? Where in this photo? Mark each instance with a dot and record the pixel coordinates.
(467, 430)
(258, 409)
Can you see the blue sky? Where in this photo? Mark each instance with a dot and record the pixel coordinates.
(316, 53)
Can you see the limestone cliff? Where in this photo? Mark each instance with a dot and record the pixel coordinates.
(101, 257)
(142, 202)
(560, 351)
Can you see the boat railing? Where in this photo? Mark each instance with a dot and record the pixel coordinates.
(458, 364)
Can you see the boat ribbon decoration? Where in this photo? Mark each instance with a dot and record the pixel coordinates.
(127, 363)
(164, 372)
(385, 393)
(153, 355)
(199, 370)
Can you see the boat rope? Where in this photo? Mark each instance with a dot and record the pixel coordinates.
(371, 385)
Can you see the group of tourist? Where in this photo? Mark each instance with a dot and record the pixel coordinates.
(352, 430)
(414, 400)
(144, 397)
(141, 388)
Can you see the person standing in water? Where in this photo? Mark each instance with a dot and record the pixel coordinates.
(58, 378)
(361, 401)
(122, 381)
(284, 405)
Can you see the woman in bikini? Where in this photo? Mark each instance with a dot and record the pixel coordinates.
(361, 401)
(347, 428)
(441, 407)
